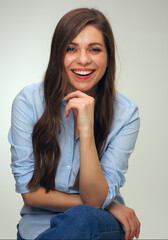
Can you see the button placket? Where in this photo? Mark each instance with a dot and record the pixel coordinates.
(70, 152)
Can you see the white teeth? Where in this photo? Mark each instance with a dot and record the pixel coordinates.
(82, 72)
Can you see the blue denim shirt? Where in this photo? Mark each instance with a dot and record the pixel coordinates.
(27, 108)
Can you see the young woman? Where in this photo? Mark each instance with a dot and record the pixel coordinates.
(71, 137)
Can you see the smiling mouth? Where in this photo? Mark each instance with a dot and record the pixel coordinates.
(83, 73)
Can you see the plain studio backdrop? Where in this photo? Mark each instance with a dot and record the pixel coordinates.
(141, 33)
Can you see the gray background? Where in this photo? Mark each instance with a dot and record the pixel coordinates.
(140, 29)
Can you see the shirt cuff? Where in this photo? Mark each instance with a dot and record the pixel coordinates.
(108, 200)
(21, 183)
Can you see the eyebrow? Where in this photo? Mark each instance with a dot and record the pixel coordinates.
(91, 44)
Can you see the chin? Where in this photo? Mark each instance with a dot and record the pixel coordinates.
(90, 90)
(82, 88)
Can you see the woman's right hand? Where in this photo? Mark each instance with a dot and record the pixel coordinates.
(127, 217)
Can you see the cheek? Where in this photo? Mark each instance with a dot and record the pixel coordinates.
(68, 60)
(102, 63)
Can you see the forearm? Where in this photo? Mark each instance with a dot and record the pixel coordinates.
(93, 186)
(53, 200)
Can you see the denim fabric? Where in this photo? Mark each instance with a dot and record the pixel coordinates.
(84, 222)
(18, 234)
(19, 237)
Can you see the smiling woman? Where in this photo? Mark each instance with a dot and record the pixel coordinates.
(86, 60)
(71, 137)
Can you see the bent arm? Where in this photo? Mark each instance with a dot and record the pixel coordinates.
(93, 186)
(53, 200)
(100, 179)
(24, 116)
(113, 161)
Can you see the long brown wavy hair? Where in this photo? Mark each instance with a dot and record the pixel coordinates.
(45, 144)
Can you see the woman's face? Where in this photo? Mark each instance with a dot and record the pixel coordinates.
(86, 61)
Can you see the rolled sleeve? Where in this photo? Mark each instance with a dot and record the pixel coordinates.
(20, 138)
(120, 144)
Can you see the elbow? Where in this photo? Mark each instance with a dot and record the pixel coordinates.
(94, 204)
(93, 200)
(27, 199)
(97, 206)
(93, 195)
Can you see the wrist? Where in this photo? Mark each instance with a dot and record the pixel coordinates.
(112, 204)
(87, 134)
(76, 199)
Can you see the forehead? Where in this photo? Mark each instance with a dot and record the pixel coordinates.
(89, 34)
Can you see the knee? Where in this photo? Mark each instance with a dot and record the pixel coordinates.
(82, 210)
(84, 213)
(76, 223)
(94, 218)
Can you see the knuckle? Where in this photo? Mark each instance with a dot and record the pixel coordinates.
(70, 102)
(132, 233)
(131, 212)
(124, 218)
(127, 215)
(82, 106)
(128, 230)
(134, 230)
(91, 99)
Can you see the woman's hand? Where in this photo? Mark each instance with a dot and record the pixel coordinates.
(83, 105)
(127, 217)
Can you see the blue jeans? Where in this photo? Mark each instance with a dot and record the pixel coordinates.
(83, 222)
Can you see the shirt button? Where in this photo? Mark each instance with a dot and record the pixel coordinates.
(68, 167)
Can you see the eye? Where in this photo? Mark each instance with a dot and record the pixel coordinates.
(95, 50)
(71, 49)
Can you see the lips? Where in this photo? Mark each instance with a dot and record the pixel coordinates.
(83, 72)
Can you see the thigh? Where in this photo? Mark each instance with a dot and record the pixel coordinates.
(84, 222)
(84, 214)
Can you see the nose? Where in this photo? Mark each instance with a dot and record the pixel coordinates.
(83, 58)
